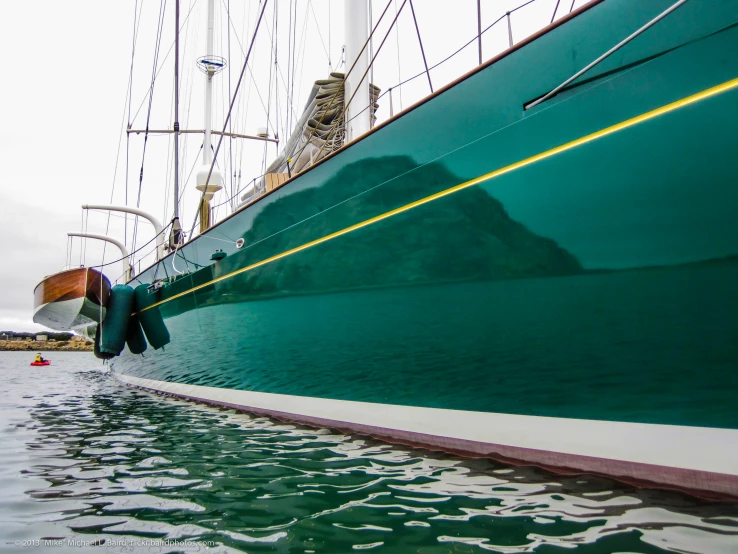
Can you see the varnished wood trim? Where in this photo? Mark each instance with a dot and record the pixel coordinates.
(73, 283)
(98, 287)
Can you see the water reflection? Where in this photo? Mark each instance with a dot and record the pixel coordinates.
(463, 237)
(108, 462)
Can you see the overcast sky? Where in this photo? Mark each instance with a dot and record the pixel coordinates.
(65, 105)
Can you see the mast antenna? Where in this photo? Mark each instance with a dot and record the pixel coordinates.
(204, 198)
(175, 237)
(209, 180)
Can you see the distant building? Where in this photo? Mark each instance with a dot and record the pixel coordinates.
(42, 338)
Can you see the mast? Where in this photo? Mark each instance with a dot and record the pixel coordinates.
(176, 233)
(210, 65)
(206, 150)
(358, 116)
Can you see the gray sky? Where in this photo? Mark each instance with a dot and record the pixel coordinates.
(64, 106)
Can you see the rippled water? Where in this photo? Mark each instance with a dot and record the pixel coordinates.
(87, 463)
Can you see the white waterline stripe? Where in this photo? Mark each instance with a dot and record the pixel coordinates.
(693, 448)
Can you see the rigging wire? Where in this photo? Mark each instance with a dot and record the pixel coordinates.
(291, 63)
(230, 111)
(430, 68)
(329, 34)
(292, 89)
(422, 50)
(253, 79)
(168, 177)
(377, 186)
(187, 181)
(230, 125)
(174, 168)
(136, 28)
(130, 255)
(189, 175)
(553, 15)
(247, 18)
(371, 55)
(81, 230)
(219, 100)
(171, 46)
(279, 69)
(292, 68)
(128, 152)
(190, 88)
(341, 89)
(119, 216)
(159, 33)
(269, 97)
(84, 242)
(447, 58)
(289, 71)
(303, 37)
(126, 101)
(317, 26)
(149, 95)
(399, 67)
(182, 29)
(276, 65)
(348, 103)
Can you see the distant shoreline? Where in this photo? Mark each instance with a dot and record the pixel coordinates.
(44, 346)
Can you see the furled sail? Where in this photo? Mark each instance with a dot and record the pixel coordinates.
(319, 131)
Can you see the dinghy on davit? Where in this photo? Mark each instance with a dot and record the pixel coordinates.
(71, 300)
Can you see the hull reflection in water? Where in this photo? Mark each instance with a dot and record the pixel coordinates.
(102, 462)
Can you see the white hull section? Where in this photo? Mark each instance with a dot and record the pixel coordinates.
(697, 459)
(69, 315)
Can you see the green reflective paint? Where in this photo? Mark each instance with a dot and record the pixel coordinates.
(598, 283)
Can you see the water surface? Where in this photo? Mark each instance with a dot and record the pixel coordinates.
(87, 464)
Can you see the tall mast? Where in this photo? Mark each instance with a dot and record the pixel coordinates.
(207, 157)
(176, 111)
(210, 65)
(176, 232)
(358, 116)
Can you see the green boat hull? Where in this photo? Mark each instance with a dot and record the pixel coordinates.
(577, 260)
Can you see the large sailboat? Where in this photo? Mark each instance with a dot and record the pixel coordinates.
(536, 263)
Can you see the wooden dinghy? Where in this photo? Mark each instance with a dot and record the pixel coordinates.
(71, 300)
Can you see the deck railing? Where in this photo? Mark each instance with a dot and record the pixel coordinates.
(504, 23)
